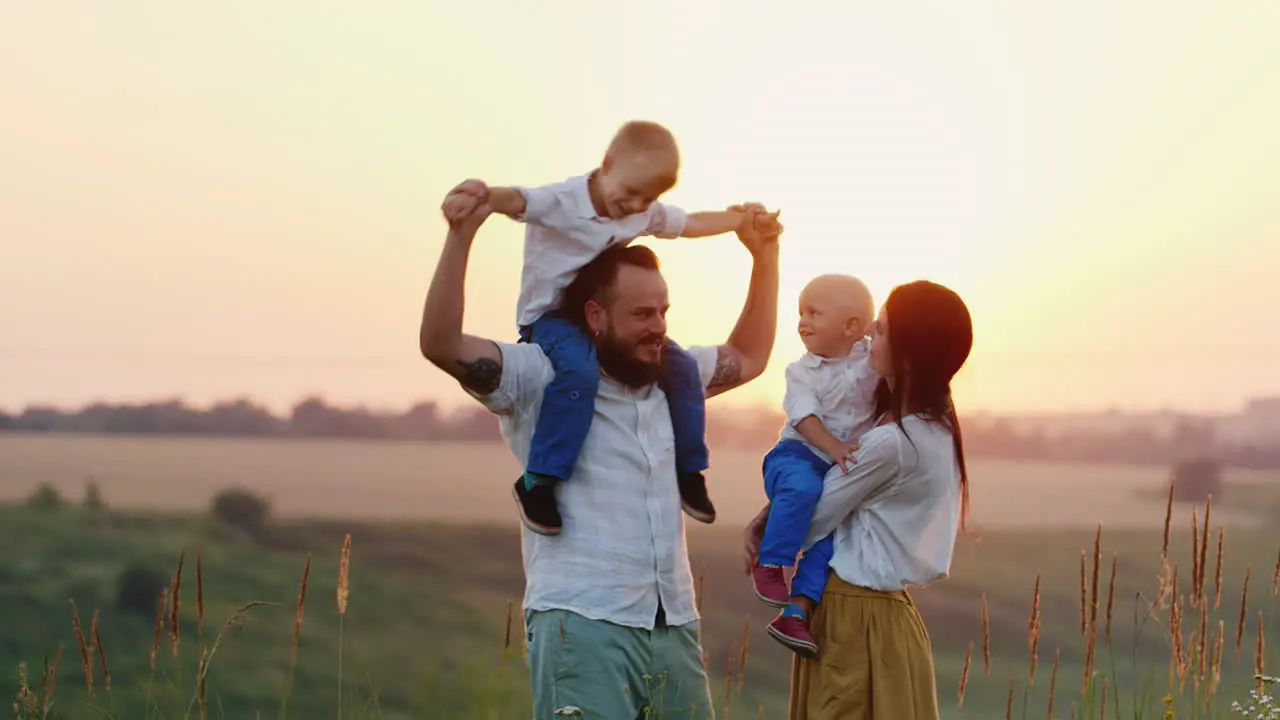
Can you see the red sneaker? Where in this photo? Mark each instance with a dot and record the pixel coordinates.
(770, 585)
(794, 633)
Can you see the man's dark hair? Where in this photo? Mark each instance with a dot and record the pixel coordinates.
(596, 279)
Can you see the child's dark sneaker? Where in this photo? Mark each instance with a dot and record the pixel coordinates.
(538, 508)
(792, 629)
(770, 585)
(694, 498)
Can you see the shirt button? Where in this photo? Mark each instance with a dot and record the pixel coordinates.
(574, 395)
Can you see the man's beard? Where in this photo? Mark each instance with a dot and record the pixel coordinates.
(619, 362)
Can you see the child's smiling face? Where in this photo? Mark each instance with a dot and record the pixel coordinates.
(640, 165)
(633, 180)
(835, 311)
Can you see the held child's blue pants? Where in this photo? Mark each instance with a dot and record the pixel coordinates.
(793, 479)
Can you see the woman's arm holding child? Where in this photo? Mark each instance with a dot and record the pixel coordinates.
(879, 461)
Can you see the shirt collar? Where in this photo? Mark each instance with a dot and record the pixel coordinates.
(860, 349)
(582, 198)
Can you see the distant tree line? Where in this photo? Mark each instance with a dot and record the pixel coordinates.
(1192, 437)
(311, 418)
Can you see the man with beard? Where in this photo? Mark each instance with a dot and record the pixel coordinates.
(611, 620)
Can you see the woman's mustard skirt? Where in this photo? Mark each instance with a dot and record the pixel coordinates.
(874, 662)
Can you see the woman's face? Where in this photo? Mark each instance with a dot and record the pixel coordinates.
(881, 354)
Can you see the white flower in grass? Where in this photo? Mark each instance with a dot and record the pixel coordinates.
(1261, 705)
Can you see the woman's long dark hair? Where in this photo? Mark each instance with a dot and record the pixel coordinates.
(930, 336)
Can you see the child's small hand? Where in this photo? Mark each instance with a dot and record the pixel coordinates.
(466, 205)
(766, 223)
(844, 455)
(473, 187)
(463, 200)
(757, 219)
(457, 206)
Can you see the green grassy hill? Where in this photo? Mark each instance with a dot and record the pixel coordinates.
(425, 635)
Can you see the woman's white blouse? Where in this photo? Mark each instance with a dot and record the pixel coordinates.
(896, 513)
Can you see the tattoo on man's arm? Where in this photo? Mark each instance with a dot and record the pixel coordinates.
(482, 375)
(728, 368)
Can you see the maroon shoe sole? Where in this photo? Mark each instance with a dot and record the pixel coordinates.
(767, 600)
(533, 526)
(800, 647)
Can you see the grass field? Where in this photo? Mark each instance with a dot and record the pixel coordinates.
(470, 482)
(427, 623)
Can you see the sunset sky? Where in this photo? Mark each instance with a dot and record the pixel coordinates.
(241, 198)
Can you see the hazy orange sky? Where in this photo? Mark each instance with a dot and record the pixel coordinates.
(241, 198)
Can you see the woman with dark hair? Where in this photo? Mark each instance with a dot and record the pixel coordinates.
(896, 515)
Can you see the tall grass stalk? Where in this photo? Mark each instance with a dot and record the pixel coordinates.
(342, 593)
(297, 635)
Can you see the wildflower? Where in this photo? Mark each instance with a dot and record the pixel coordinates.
(1260, 704)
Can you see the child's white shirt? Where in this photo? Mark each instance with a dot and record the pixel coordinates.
(563, 233)
(838, 391)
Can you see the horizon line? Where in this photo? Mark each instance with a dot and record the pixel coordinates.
(737, 407)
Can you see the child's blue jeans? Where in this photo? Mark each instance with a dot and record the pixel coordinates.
(568, 403)
(793, 479)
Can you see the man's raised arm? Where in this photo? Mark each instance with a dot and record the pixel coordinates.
(474, 362)
(746, 353)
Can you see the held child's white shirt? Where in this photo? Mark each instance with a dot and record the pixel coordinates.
(563, 233)
(838, 391)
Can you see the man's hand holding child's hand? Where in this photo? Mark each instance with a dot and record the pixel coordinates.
(463, 200)
(755, 217)
(466, 204)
